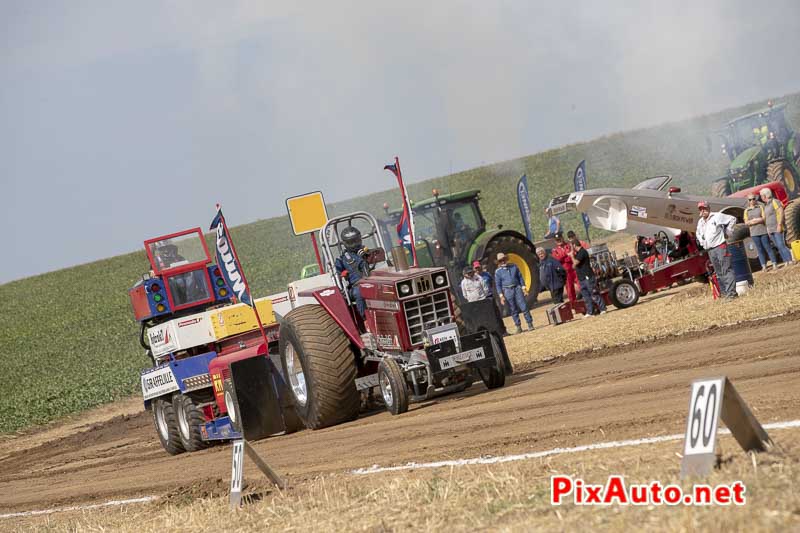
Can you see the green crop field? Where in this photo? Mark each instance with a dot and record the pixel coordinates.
(70, 342)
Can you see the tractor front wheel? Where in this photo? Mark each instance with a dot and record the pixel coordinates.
(781, 172)
(319, 366)
(720, 188)
(166, 426)
(393, 386)
(522, 254)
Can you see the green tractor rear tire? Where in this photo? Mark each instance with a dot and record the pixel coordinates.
(792, 219)
(720, 188)
(521, 253)
(783, 173)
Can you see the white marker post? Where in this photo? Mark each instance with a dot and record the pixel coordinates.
(710, 400)
(237, 473)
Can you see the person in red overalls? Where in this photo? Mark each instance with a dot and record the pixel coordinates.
(561, 253)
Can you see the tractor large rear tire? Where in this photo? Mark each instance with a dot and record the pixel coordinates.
(792, 217)
(319, 366)
(521, 253)
(720, 188)
(783, 173)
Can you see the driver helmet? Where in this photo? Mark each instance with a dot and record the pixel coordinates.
(351, 239)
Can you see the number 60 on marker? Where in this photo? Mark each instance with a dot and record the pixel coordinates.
(704, 410)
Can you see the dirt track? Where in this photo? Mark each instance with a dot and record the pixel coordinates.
(610, 395)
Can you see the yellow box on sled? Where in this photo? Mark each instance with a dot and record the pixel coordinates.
(240, 318)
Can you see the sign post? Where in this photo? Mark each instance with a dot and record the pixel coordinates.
(308, 214)
(711, 400)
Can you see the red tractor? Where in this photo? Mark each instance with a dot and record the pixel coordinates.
(407, 343)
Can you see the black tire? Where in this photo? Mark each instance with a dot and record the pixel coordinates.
(720, 188)
(393, 386)
(166, 426)
(739, 233)
(783, 173)
(189, 418)
(624, 293)
(791, 217)
(494, 377)
(520, 246)
(323, 389)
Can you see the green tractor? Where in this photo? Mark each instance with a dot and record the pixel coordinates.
(762, 147)
(450, 232)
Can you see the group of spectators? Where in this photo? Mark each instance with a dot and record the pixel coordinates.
(568, 266)
(507, 283)
(766, 222)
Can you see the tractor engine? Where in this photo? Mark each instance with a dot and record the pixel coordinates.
(401, 307)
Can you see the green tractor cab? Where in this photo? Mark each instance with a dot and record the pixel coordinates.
(450, 232)
(762, 147)
(309, 271)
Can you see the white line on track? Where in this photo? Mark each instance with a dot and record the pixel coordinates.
(416, 466)
(111, 503)
(555, 451)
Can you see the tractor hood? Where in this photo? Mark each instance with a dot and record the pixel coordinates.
(744, 159)
(643, 211)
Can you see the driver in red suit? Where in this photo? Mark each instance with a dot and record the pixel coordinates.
(561, 253)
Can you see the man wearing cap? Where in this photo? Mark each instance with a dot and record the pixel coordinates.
(711, 231)
(487, 278)
(563, 254)
(473, 288)
(511, 288)
(754, 218)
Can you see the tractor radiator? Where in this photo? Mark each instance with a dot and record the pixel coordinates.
(426, 312)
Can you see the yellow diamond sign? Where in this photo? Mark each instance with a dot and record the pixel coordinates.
(307, 212)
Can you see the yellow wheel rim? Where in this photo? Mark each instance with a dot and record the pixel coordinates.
(523, 267)
(788, 179)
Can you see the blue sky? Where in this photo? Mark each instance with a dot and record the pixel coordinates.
(124, 120)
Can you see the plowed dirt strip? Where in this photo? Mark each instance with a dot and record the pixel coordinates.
(638, 392)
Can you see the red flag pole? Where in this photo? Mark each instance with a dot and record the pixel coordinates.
(316, 252)
(244, 279)
(407, 203)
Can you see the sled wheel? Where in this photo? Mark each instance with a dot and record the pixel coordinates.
(167, 426)
(190, 419)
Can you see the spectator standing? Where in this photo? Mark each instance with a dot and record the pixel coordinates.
(551, 276)
(562, 254)
(473, 288)
(754, 218)
(487, 278)
(583, 269)
(711, 231)
(553, 224)
(510, 287)
(773, 219)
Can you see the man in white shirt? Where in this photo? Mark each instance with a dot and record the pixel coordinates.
(711, 231)
(473, 287)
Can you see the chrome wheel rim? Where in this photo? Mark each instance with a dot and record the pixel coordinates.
(183, 423)
(625, 294)
(230, 407)
(161, 420)
(297, 379)
(386, 389)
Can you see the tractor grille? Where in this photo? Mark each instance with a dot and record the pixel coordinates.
(426, 312)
